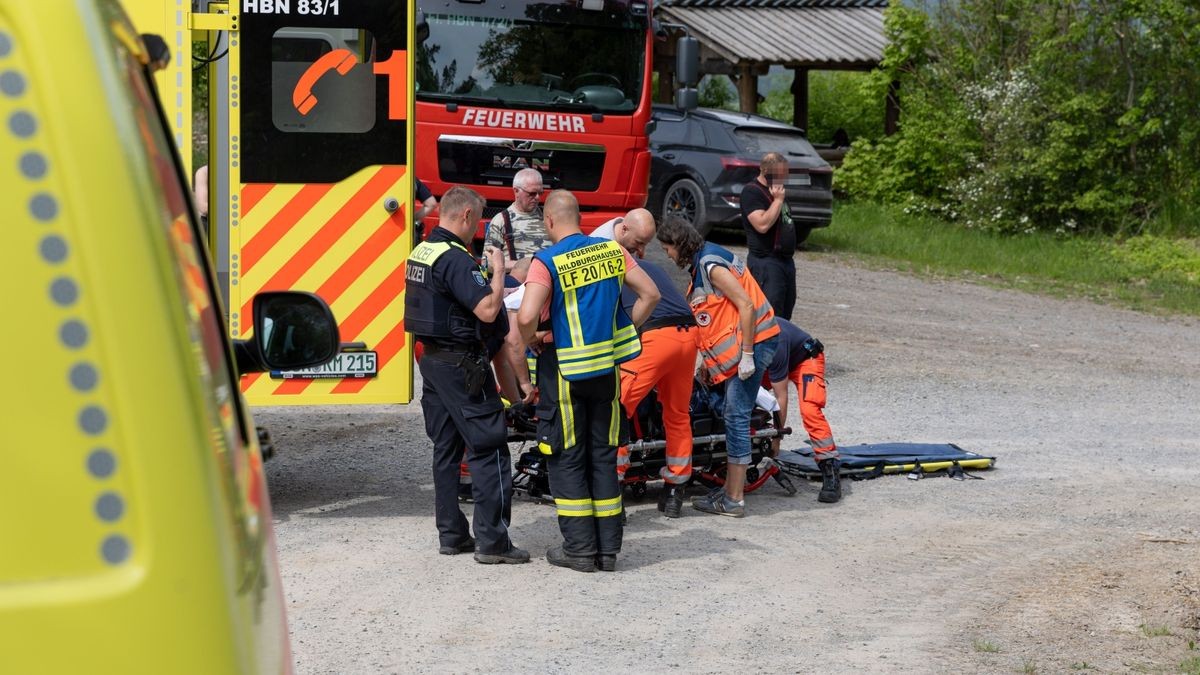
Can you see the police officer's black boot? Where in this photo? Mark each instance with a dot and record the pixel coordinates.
(831, 481)
(606, 562)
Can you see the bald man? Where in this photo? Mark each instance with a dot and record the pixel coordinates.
(667, 361)
(634, 231)
(574, 286)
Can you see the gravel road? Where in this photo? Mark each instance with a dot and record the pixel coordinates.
(1079, 550)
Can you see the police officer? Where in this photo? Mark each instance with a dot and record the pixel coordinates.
(574, 288)
(453, 310)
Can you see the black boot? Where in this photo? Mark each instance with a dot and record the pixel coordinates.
(559, 558)
(831, 481)
(671, 500)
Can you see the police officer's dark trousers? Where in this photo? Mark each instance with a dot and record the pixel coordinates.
(456, 420)
(580, 422)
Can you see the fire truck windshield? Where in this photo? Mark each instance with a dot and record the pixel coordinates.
(524, 63)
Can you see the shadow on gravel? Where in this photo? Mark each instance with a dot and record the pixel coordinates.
(651, 539)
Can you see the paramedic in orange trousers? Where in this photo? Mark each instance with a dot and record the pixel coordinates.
(667, 361)
(737, 337)
(800, 358)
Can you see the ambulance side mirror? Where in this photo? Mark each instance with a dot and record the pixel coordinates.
(292, 330)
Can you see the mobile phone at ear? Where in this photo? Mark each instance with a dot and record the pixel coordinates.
(770, 180)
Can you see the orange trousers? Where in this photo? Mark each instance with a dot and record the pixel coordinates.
(809, 378)
(668, 361)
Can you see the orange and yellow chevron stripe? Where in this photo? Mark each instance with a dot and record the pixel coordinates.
(336, 240)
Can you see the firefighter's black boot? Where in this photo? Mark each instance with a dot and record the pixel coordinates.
(557, 557)
(672, 500)
(831, 481)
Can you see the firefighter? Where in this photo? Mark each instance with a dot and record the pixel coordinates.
(453, 309)
(574, 288)
(800, 358)
(738, 337)
(667, 362)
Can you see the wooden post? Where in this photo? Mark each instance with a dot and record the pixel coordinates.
(664, 66)
(666, 86)
(747, 88)
(891, 110)
(800, 98)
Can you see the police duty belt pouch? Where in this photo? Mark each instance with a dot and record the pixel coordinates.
(475, 372)
(483, 424)
(871, 460)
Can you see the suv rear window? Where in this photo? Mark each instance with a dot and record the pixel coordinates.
(757, 141)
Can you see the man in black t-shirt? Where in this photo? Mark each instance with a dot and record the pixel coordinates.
(771, 234)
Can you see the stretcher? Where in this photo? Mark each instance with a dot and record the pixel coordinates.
(647, 445)
(877, 459)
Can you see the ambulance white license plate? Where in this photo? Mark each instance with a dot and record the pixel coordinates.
(345, 364)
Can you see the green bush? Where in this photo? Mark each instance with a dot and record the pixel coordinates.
(1026, 115)
(1148, 257)
(716, 92)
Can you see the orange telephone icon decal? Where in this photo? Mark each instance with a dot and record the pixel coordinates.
(341, 60)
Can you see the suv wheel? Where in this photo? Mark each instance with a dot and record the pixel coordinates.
(685, 198)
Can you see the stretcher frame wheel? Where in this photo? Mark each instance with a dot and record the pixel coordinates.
(637, 489)
(755, 477)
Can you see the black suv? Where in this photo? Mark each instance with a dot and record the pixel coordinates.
(701, 160)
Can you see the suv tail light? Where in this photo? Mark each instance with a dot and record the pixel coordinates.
(738, 163)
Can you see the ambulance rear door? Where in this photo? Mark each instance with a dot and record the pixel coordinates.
(310, 143)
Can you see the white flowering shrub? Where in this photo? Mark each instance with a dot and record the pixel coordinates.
(1027, 115)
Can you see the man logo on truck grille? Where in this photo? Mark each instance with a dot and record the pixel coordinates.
(520, 162)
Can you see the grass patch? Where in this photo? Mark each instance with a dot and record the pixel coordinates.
(986, 646)
(1190, 666)
(1155, 631)
(1029, 667)
(1147, 272)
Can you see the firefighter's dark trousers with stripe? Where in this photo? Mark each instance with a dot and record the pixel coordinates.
(578, 427)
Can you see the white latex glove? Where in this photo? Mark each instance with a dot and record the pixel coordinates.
(746, 366)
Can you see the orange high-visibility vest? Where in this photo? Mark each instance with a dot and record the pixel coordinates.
(720, 336)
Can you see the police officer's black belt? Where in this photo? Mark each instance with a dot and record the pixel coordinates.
(451, 352)
(669, 321)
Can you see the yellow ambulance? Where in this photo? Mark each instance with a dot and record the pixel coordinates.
(135, 528)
